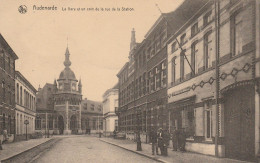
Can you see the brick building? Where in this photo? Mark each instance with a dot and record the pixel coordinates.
(7, 91)
(143, 80)
(216, 99)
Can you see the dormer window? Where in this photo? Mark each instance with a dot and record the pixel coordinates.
(194, 29)
(183, 39)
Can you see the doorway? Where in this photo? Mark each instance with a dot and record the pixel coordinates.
(239, 118)
(61, 125)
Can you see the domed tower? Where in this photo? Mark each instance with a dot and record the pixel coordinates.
(67, 98)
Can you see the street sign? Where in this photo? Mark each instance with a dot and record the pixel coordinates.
(26, 122)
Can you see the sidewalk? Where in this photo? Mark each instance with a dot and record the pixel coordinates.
(15, 148)
(173, 156)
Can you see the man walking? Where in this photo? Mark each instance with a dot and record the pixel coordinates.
(160, 141)
(166, 139)
(154, 141)
(174, 139)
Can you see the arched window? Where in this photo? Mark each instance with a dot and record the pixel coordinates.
(17, 93)
(208, 50)
(38, 123)
(21, 95)
(194, 51)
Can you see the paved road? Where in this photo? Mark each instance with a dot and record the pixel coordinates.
(87, 149)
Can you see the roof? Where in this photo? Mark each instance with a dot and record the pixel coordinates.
(9, 49)
(18, 73)
(179, 16)
(87, 104)
(44, 98)
(67, 73)
(122, 69)
(115, 88)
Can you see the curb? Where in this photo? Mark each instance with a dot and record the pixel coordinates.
(140, 153)
(8, 158)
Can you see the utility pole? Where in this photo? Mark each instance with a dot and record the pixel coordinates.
(216, 4)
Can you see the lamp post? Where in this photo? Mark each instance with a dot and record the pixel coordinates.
(138, 139)
(26, 122)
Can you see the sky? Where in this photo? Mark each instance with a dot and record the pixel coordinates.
(98, 41)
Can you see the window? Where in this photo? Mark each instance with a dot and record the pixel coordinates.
(183, 39)
(94, 125)
(236, 33)
(3, 90)
(173, 69)
(10, 95)
(92, 106)
(4, 125)
(38, 123)
(194, 52)
(17, 93)
(194, 29)
(207, 18)
(208, 50)
(208, 119)
(189, 117)
(85, 106)
(9, 65)
(182, 65)
(174, 47)
(144, 57)
(21, 95)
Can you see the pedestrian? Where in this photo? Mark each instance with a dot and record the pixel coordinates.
(114, 134)
(5, 135)
(153, 137)
(160, 141)
(174, 139)
(182, 137)
(166, 139)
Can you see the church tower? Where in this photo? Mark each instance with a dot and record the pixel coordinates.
(67, 100)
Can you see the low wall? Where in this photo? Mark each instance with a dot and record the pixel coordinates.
(204, 148)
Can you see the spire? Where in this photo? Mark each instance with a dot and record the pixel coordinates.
(80, 82)
(55, 86)
(80, 86)
(133, 42)
(55, 83)
(67, 62)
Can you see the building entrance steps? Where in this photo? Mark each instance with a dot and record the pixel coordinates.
(173, 156)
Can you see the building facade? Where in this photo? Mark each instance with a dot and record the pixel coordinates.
(59, 106)
(215, 99)
(110, 105)
(25, 98)
(92, 116)
(45, 121)
(67, 100)
(143, 80)
(7, 91)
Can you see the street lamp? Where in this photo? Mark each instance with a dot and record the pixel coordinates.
(26, 122)
(138, 139)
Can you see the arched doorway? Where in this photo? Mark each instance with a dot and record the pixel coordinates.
(239, 118)
(60, 124)
(73, 124)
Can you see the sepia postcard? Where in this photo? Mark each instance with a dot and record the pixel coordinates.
(129, 81)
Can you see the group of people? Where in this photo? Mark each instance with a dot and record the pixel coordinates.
(161, 139)
(178, 139)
